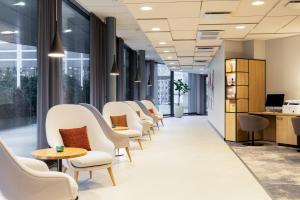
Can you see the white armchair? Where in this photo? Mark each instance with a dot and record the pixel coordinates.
(119, 140)
(157, 114)
(29, 179)
(135, 129)
(146, 121)
(74, 116)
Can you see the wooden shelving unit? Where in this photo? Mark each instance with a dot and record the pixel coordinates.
(241, 75)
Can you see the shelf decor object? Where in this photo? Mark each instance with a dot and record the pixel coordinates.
(244, 92)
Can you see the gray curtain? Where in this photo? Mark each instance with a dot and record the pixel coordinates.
(197, 94)
(49, 69)
(97, 62)
(121, 79)
(143, 73)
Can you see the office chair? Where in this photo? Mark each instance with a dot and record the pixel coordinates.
(251, 124)
(296, 126)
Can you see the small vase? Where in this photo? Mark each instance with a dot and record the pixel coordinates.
(178, 111)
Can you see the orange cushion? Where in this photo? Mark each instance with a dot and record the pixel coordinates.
(151, 110)
(75, 137)
(138, 113)
(119, 120)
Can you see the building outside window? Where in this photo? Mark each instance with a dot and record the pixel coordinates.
(76, 63)
(18, 76)
(184, 100)
(164, 89)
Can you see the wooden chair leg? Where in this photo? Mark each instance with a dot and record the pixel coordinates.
(111, 176)
(65, 170)
(162, 122)
(149, 134)
(128, 153)
(91, 174)
(140, 143)
(157, 125)
(152, 129)
(76, 175)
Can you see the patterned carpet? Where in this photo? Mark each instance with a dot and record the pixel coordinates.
(276, 167)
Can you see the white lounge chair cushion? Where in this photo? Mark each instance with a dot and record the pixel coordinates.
(130, 133)
(92, 159)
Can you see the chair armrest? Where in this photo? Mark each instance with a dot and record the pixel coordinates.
(33, 164)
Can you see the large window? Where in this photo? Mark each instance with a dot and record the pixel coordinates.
(18, 75)
(163, 100)
(184, 99)
(76, 67)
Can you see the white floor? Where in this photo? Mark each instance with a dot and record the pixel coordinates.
(187, 160)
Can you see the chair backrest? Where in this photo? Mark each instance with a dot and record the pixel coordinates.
(74, 116)
(116, 108)
(136, 108)
(253, 123)
(148, 104)
(296, 125)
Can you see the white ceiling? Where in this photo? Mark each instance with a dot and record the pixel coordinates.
(184, 26)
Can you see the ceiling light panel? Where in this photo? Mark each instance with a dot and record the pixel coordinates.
(246, 8)
(169, 56)
(147, 25)
(272, 24)
(167, 10)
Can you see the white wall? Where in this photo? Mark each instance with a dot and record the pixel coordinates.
(216, 113)
(283, 66)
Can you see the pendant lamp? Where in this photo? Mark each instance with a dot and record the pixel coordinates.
(114, 70)
(56, 50)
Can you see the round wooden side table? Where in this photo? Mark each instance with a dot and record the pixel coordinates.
(52, 154)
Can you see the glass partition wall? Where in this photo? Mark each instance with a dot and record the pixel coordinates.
(18, 75)
(163, 99)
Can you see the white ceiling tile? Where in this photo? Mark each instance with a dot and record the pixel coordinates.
(272, 24)
(269, 36)
(292, 27)
(282, 10)
(166, 10)
(184, 35)
(184, 24)
(147, 25)
(159, 36)
(245, 8)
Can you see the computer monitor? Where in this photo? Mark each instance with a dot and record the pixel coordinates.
(275, 100)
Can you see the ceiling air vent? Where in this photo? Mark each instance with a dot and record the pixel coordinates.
(204, 49)
(209, 34)
(218, 13)
(294, 4)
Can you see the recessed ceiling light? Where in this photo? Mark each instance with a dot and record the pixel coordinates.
(166, 51)
(146, 8)
(162, 43)
(181, 70)
(258, 3)
(171, 63)
(67, 30)
(21, 3)
(169, 57)
(155, 29)
(240, 27)
(9, 32)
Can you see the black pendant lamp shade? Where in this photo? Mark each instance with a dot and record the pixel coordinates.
(149, 84)
(114, 70)
(57, 50)
(137, 77)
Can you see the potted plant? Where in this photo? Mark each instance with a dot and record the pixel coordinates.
(182, 88)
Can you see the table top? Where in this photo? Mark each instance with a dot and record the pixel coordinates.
(120, 128)
(52, 154)
(274, 113)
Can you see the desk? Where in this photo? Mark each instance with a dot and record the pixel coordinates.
(280, 129)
